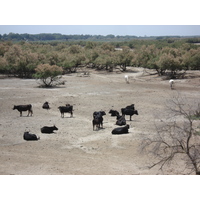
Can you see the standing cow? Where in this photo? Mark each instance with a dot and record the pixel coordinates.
(126, 79)
(129, 112)
(66, 109)
(171, 84)
(22, 108)
(98, 119)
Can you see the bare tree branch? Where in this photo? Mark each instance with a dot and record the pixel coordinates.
(175, 136)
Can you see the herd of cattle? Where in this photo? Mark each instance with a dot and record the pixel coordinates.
(96, 122)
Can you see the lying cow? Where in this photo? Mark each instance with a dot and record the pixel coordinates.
(130, 112)
(29, 136)
(121, 120)
(66, 109)
(22, 108)
(46, 106)
(121, 130)
(113, 113)
(48, 129)
(98, 119)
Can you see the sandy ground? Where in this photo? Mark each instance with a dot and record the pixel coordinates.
(75, 148)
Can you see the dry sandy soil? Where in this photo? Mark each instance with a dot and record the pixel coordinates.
(75, 148)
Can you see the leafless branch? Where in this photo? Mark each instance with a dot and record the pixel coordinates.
(175, 136)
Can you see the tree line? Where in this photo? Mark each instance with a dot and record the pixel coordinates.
(87, 37)
(167, 56)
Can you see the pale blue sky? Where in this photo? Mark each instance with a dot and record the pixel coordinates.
(136, 30)
(127, 17)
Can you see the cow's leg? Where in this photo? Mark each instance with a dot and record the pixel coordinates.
(31, 111)
(130, 117)
(95, 125)
(20, 113)
(71, 114)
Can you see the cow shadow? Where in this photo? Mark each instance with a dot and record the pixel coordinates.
(120, 133)
(99, 129)
(68, 117)
(25, 116)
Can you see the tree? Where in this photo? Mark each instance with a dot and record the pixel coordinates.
(20, 62)
(71, 62)
(168, 62)
(192, 59)
(91, 55)
(75, 49)
(27, 64)
(90, 45)
(53, 58)
(48, 74)
(125, 58)
(177, 136)
(104, 62)
(3, 48)
(12, 57)
(146, 57)
(3, 64)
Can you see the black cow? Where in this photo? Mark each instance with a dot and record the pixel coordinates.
(121, 130)
(29, 136)
(121, 120)
(98, 119)
(130, 112)
(22, 108)
(114, 113)
(46, 106)
(102, 113)
(96, 122)
(66, 109)
(48, 129)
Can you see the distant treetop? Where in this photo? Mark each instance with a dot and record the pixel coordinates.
(107, 38)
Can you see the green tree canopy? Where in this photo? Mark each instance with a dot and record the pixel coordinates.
(48, 74)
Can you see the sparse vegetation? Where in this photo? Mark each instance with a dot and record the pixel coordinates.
(196, 115)
(76, 140)
(176, 136)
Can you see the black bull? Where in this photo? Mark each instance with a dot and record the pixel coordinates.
(22, 108)
(66, 109)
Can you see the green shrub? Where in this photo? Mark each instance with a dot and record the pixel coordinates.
(48, 74)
